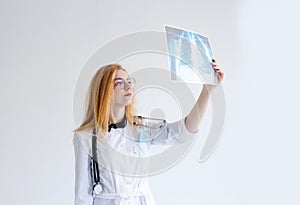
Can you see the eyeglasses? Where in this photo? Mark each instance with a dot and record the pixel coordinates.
(120, 82)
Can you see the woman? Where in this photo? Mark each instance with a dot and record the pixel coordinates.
(109, 117)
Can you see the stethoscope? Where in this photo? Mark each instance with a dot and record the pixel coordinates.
(140, 123)
(97, 187)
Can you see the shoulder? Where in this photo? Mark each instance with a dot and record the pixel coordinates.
(83, 139)
(83, 135)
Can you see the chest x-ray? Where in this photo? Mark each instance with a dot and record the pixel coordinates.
(190, 56)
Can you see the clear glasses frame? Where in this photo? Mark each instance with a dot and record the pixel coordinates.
(121, 83)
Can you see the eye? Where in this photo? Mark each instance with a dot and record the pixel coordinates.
(131, 81)
(119, 84)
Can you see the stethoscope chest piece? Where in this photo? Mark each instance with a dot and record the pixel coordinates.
(98, 189)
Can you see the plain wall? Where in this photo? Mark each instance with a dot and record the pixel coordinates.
(43, 46)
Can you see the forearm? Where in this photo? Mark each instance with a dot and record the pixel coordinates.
(194, 118)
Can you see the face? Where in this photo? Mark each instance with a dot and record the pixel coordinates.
(123, 91)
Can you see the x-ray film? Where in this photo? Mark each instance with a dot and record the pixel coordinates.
(190, 56)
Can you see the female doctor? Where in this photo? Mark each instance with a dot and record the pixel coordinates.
(110, 114)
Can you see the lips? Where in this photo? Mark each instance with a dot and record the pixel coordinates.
(128, 94)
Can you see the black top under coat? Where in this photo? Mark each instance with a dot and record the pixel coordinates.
(121, 124)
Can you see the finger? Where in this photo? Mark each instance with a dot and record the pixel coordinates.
(215, 65)
(218, 69)
(220, 77)
(220, 73)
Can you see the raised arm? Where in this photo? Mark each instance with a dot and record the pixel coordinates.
(194, 118)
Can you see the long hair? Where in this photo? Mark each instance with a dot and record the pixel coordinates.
(98, 102)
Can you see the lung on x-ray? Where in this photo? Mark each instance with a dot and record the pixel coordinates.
(190, 56)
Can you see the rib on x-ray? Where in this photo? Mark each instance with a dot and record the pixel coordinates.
(190, 56)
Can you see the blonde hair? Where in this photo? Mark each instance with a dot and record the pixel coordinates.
(98, 102)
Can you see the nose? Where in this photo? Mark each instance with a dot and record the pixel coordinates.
(127, 86)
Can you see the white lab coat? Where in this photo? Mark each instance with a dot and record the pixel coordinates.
(120, 189)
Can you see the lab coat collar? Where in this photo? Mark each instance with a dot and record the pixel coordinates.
(121, 124)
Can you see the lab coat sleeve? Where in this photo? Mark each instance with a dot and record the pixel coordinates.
(83, 192)
(173, 132)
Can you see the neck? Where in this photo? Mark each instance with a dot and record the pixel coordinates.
(116, 114)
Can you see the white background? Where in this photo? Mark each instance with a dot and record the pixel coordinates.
(43, 45)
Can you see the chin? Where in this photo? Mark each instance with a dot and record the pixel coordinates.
(125, 103)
